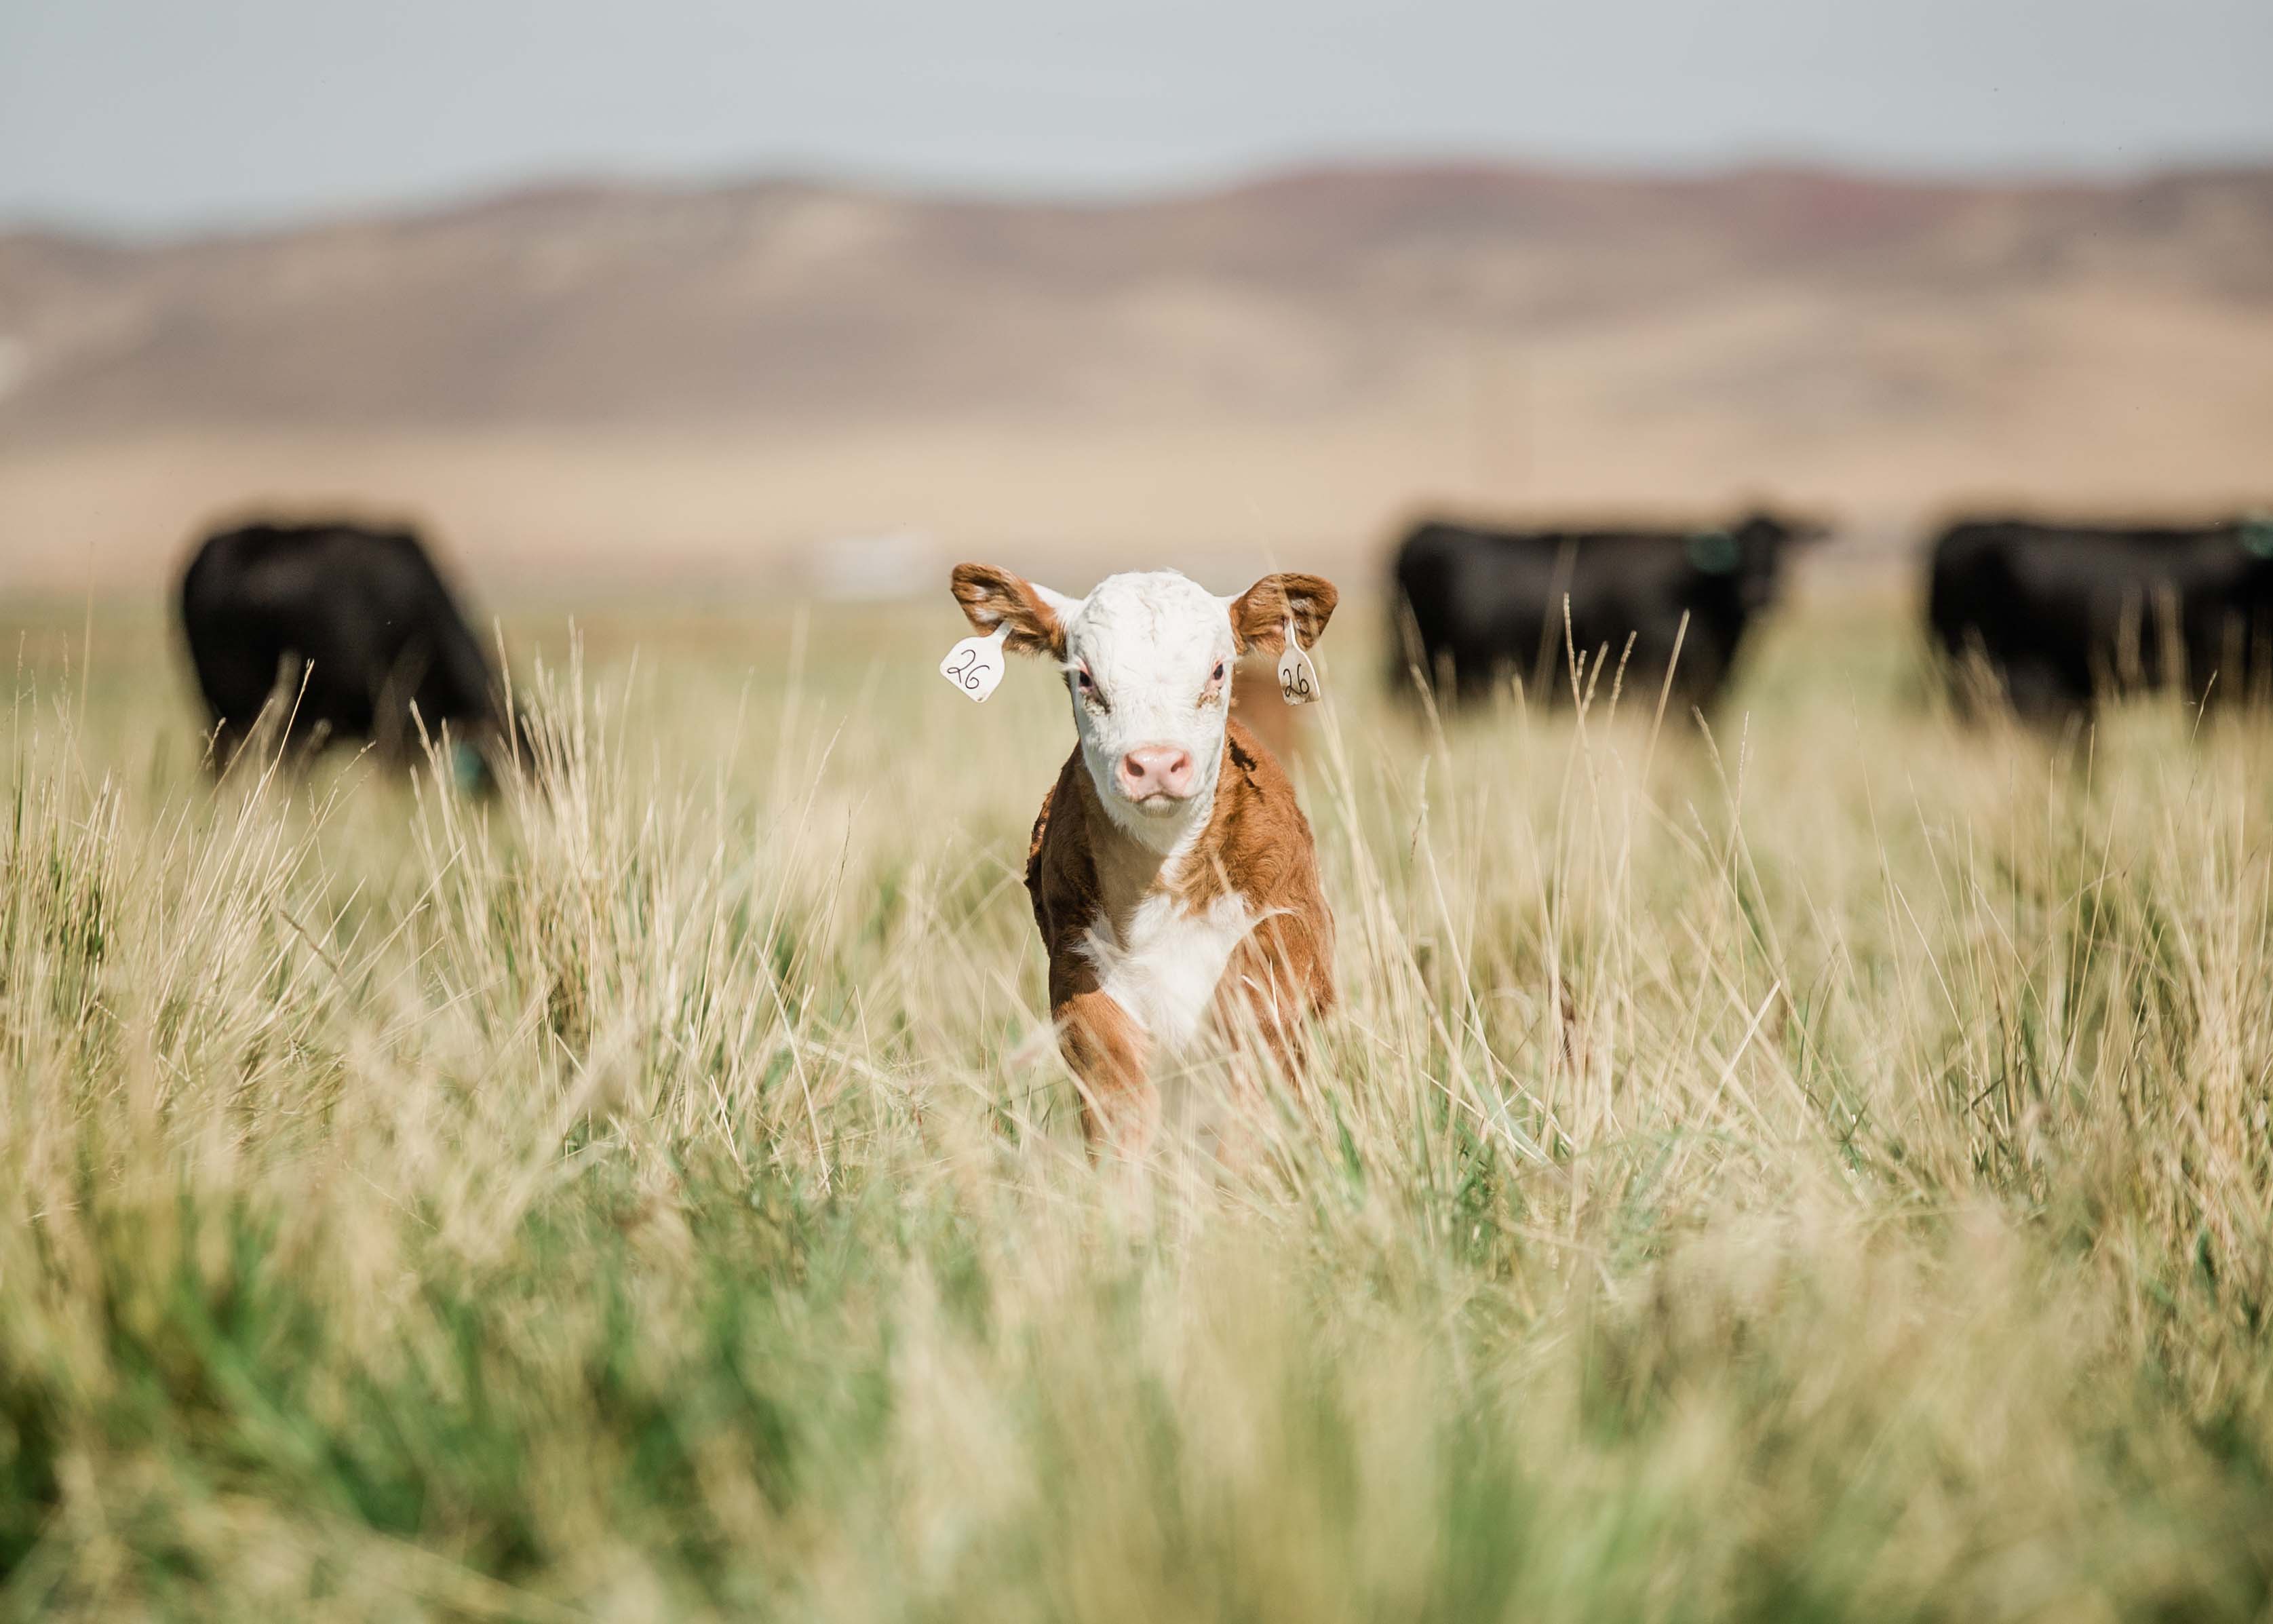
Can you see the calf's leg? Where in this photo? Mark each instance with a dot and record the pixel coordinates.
(1120, 1108)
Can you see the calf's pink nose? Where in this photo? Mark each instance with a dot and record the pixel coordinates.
(1157, 769)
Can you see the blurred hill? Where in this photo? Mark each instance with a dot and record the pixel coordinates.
(647, 382)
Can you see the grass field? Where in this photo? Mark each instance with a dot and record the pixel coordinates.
(1825, 1173)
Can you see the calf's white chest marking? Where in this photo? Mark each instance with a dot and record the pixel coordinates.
(1165, 970)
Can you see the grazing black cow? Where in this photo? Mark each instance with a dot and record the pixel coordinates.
(1487, 605)
(350, 627)
(2061, 613)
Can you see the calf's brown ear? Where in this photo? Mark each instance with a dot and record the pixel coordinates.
(1259, 614)
(1036, 616)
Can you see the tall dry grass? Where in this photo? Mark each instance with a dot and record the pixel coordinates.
(1819, 1170)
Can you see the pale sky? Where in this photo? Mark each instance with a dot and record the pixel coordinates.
(166, 113)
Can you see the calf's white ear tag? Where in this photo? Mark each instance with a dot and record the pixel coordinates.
(1298, 679)
(975, 665)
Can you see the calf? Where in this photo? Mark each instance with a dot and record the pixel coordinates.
(2061, 613)
(1477, 605)
(1173, 876)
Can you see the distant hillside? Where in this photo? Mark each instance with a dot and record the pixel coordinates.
(1536, 335)
(1314, 292)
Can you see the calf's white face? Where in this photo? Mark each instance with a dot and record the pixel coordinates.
(1148, 663)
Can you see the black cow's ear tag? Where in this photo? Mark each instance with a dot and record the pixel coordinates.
(1713, 552)
(1298, 679)
(975, 665)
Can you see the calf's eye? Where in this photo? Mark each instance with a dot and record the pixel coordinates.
(1218, 677)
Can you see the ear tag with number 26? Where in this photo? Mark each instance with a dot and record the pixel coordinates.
(975, 665)
(1298, 679)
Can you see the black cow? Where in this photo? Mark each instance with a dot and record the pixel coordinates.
(350, 627)
(1478, 606)
(2061, 613)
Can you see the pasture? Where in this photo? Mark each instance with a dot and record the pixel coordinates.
(1820, 1172)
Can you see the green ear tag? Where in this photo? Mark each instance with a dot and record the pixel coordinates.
(1713, 552)
(2257, 536)
(467, 768)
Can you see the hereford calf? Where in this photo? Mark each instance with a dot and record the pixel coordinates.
(1173, 877)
